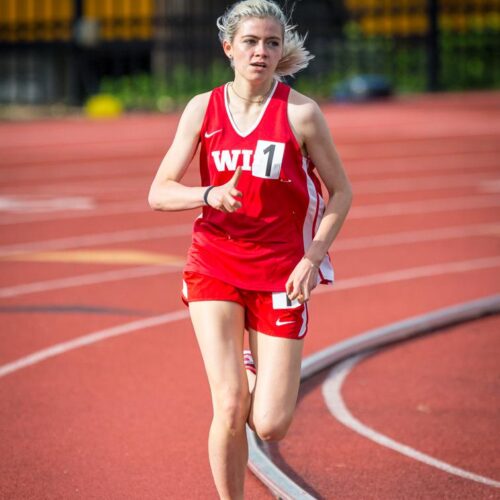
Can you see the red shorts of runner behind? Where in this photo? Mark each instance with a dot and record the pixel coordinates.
(271, 313)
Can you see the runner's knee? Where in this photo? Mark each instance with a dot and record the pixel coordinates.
(231, 408)
(271, 428)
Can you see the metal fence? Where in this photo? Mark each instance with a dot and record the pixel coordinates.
(65, 50)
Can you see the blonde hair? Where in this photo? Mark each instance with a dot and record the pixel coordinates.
(295, 56)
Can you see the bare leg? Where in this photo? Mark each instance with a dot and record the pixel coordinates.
(251, 378)
(219, 329)
(274, 397)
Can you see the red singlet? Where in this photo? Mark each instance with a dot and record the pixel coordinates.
(258, 246)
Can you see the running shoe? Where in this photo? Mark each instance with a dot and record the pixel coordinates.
(248, 361)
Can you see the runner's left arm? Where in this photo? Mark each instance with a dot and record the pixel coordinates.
(314, 135)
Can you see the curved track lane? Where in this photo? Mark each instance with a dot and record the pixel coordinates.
(128, 416)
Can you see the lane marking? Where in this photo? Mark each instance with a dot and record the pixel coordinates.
(107, 185)
(68, 309)
(430, 183)
(100, 256)
(104, 155)
(98, 336)
(348, 283)
(36, 204)
(418, 236)
(425, 206)
(259, 462)
(412, 273)
(89, 339)
(93, 187)
(104, 210)
(331, 390)
(78, 170)
(455, 160)
(435, 162)
(85, 279)
(407, 138)
(95, 239)
(410, 130)
(281, 485)
(53, 139)
(87, 187)
(358, 211)
(490, 187)
(403, 146)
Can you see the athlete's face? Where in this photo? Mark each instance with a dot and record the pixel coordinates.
(257, 48)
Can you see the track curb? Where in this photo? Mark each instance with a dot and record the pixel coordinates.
(281, 485)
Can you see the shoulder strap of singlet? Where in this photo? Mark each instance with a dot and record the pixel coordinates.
(279, 100)
(215, 96)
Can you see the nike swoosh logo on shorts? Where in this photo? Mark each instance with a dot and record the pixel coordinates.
(281, 323)
(210, 134)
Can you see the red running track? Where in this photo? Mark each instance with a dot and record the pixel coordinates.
(127, 414)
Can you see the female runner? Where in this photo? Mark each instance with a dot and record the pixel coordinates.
(260, 245)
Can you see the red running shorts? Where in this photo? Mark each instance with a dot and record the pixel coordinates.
(271, 313)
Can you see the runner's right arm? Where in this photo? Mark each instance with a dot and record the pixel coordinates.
(166, 192)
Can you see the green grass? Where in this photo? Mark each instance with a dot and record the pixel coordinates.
(147, 92)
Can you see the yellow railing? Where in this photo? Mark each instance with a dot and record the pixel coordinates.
(51, 20)
(418, 24)
(122, 19)
(408, 17)
(30, 20)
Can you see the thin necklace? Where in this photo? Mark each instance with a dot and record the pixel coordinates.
(260, 101)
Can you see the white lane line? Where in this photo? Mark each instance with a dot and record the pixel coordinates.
(416, 130)
(413, 273)
(357, 211)
(110, 185)
(85, 279)
(332, 394)
(91, 338)
(53, 140)
(80, 170)
(96, 337)
(95, 239)
(484, 156)
(430, 183)
(435, 162)
(451, 204)
(35, 204)
(419, 236)
(106, 185)
(102, 210)
(259, 460)
(281, 485)
(347, 244)
(405, 146)
(490, 186)
(408, 135)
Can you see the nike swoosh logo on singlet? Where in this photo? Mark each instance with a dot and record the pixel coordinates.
(210, 134)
